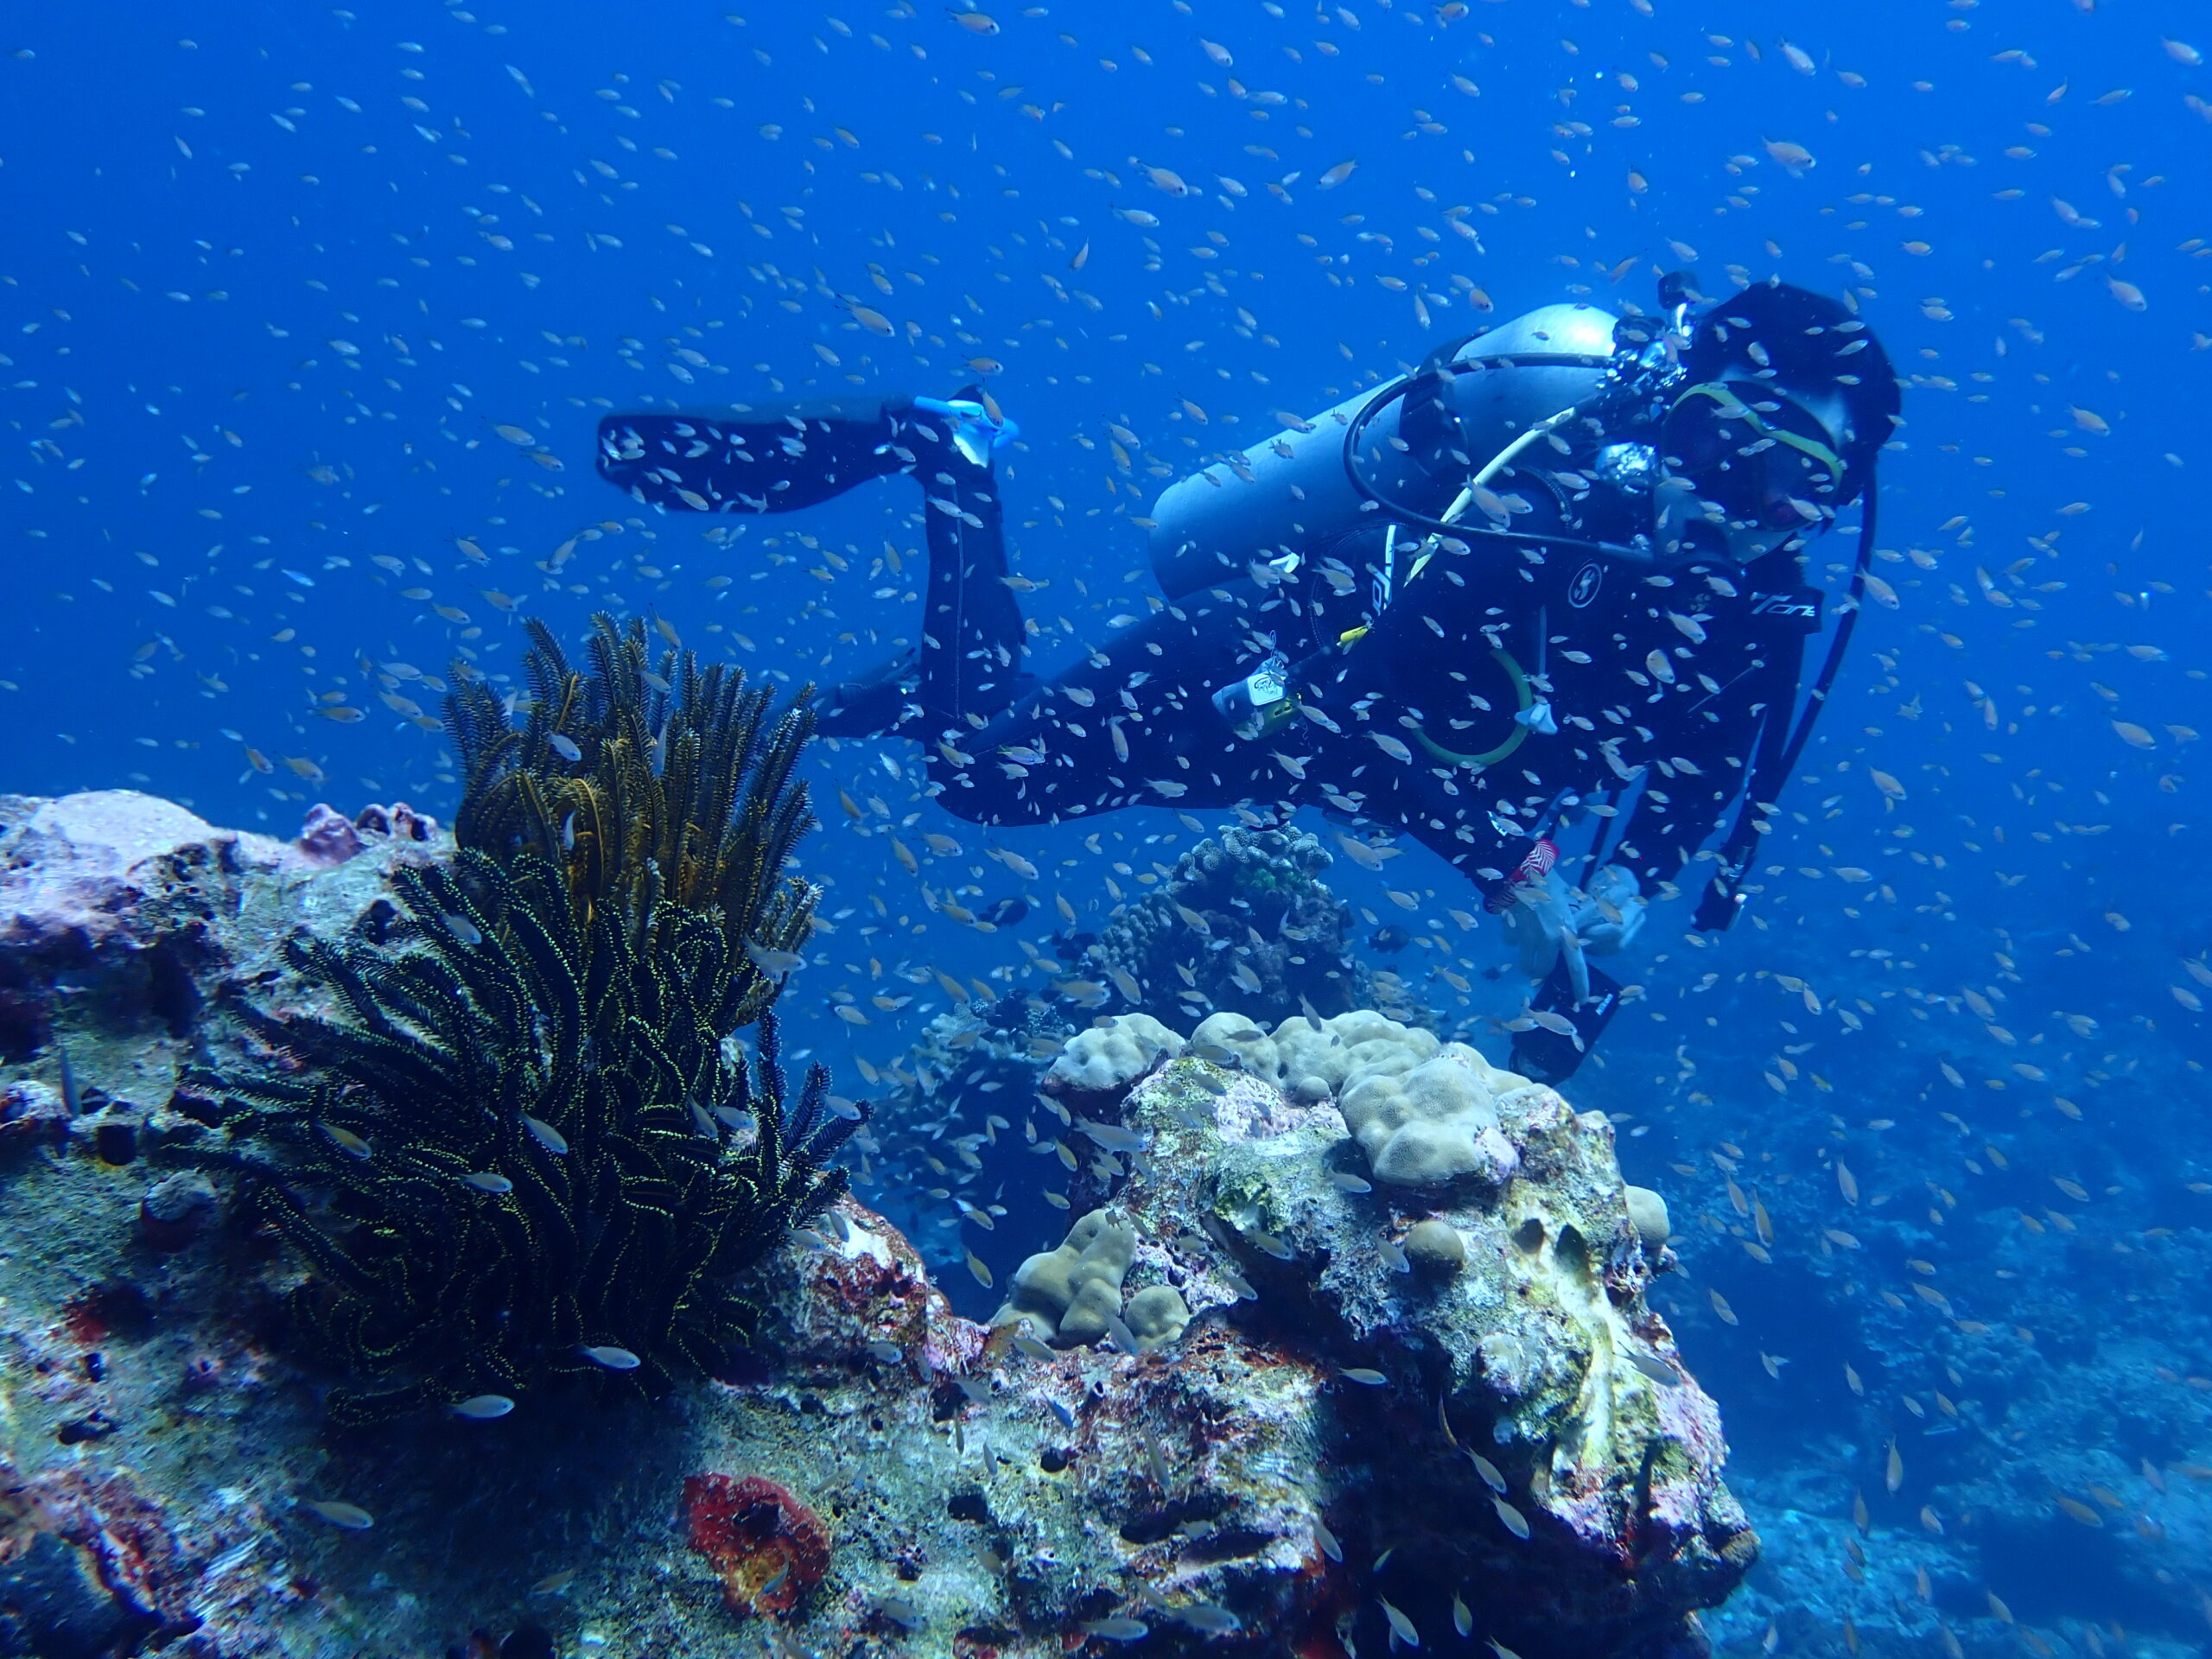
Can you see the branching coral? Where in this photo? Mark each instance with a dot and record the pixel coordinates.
(643, 782)
(526, 1142)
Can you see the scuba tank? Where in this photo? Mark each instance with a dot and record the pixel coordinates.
(1412, 445)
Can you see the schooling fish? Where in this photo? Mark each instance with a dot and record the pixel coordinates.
(613, 1358)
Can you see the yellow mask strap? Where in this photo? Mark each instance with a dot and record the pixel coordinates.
(1735, 409)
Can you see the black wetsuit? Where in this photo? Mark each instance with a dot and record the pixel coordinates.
(1410, 726)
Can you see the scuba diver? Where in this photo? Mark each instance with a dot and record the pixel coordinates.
(1558, 573)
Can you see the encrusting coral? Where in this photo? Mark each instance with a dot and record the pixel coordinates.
(521, 1148)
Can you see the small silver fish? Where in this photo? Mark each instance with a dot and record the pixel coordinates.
(1492, 1476)
(1345, 1181)
(554, 1583)
(483, 1408)
(774, 963)
(1112, 1136)
(347, 1142)
(1516, 1523)
(569, 832)
(1463, 1617)
(1330, 1545)
(1030, 1348)
(71, 1100)
(485, 1181)
(464, 930)
(613, 1358)
(1064, 1412)
(565, 748)
(350, 1517)
(545, 1134)
(1215, 1054)
(704, 1124)
(1665, 1376)
(1366, 1376)
(1273, 1246)
(1117, 1629)
(1394, 1258)
(901, 1612)
(1208, 1619)
(1401, 1626)
(886, 1353)
(1241, 1287)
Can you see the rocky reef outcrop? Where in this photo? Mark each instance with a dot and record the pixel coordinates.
(1243, 921)
(1319, 1396)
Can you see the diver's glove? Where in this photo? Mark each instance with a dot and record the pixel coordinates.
(974, 430)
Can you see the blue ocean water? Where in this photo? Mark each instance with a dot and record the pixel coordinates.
(307, 314)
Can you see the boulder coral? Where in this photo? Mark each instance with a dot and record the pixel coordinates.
(1070, 1296)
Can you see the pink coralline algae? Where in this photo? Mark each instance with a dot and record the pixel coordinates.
(769, 1549)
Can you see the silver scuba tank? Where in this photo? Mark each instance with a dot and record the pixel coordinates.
(1292, 493)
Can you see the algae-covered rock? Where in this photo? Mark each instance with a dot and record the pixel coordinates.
(1522, 1332)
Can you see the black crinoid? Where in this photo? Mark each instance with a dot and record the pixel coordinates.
(522, 1146)
(644, 782)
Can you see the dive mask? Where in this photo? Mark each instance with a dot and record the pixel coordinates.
(1760, 458)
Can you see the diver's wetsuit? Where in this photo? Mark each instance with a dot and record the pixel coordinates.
(1410, 726)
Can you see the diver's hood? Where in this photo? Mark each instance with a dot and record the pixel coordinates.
(1809, 349)
(1788, 400)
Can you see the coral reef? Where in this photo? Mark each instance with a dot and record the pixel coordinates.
(1106, 1058)
(1259, 892)
(1425, 1114)
(1072, 1295)
(1345, 1430)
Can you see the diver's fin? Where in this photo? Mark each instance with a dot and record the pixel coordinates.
(874, 703)
(1550, 1056)
(766, 458)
